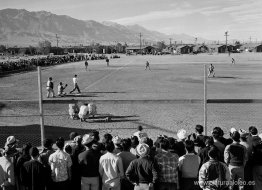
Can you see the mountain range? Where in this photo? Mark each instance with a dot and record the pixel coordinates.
(22, 28)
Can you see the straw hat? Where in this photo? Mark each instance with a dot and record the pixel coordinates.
(142, 150)
(87, 138)
(181, 134)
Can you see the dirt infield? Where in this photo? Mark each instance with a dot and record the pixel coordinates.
(148, 97)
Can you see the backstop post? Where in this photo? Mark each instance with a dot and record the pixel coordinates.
(205, 98)
(41, 106)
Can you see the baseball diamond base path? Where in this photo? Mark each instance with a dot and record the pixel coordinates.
(162, 100)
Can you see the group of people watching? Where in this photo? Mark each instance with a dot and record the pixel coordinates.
(29, 64)
(190, 162)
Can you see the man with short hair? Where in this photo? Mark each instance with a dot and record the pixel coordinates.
(44, 157)
(76, 87)
(34, 175)
(142, 172)
(111, 168)
(168, 166)
(127, 157)
(50, 87)
(188, 166)
(255, 139)
(89, 165)
(60, 163)
(214, 174)
(235, 156)
(216, 134)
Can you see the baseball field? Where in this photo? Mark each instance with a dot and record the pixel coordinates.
(164, 99)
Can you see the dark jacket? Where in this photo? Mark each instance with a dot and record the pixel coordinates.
(34, 175)
(89, 163)
(142, 170)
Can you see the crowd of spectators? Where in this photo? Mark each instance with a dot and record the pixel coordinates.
(7, 66)
(190, 162)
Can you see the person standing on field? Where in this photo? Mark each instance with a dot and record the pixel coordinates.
(107, 61)
(86, 64)
(76, 87)
(147, 66)
(50, 87)
(211, 70)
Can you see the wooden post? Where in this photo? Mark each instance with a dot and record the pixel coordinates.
(205, 99)
(41, 111)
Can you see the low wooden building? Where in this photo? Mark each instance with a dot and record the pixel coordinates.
(215, 48)
(183, 49)
(251, 47)
(200, 48)
(144, 49)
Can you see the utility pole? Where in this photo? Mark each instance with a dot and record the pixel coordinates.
(170, 41)
(226, 34)
(57, 39)
(140, 35)
(250, 39)
(195, 41)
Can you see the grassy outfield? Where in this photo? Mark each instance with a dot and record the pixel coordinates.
(160, 99)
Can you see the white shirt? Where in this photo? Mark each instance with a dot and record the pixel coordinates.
(111, 169)
(60, 161)
(83, 110)
(75, 80)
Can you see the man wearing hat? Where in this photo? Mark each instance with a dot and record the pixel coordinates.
(142, 172)
(180, 145)
(117, 142)
(235, 157)
(89, 164)
(7, 177)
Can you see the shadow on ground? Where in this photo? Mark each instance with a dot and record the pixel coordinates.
(32, 133)
(109, 118)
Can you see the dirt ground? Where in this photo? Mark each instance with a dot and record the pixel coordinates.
(163, 100)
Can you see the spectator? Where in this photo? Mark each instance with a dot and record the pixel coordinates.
(73, 111)
(117, 143)
(203, 154)
(180, 146)
(89, 165)
(235, 157)
(44, 157)
(126, 157)
(33, 172)
(139, 134)
(188, 166)
(216, 133)
(111, 168)
(168, 166)
(7, 177)
(248, 167)
(61, 164)
(255, 139)
(134, 143)
(76, 150)
(24, 157)
(213, 174)
(257, 166)
(142, 172)
(72, 141)
(199, 138)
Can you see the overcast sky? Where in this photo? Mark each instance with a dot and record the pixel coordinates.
(199, 18)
